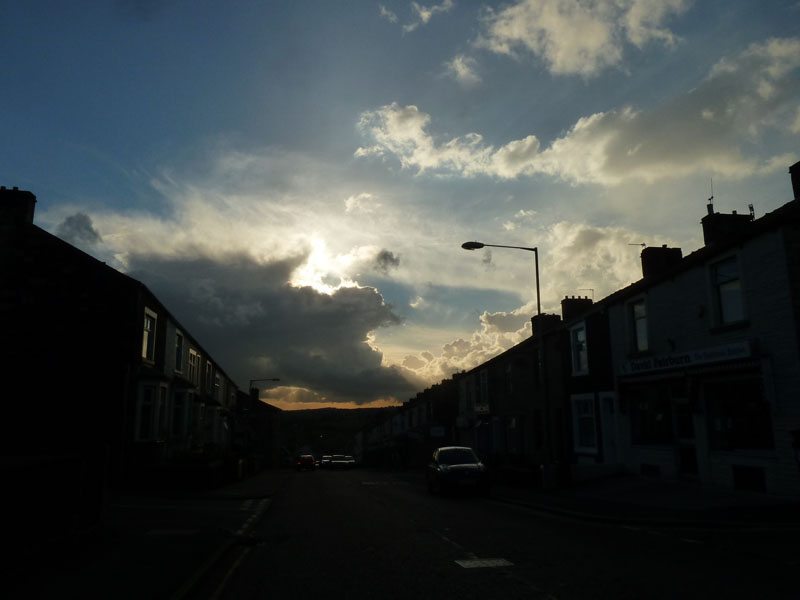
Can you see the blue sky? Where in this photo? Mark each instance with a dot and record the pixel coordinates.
(295, 179)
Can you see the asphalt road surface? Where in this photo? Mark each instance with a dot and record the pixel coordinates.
(363, 534)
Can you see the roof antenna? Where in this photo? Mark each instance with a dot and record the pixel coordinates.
(643, 245)
(711, 199)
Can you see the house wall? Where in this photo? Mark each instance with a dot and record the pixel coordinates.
(681, 318)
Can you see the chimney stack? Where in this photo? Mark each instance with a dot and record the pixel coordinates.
(16, 207)
(794, 171)
(572, 307)
(719, 227)
(659, 260)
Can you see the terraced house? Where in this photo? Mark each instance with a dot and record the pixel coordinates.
(104, 384)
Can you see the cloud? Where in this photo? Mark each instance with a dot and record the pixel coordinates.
(463, 69)
(577, 37)
(385, 260)
(253, 322)
(423, 14)
(498, 332)
(581, 259)
(387, 14)
(78, 230)
(363, 202)
(709, 130)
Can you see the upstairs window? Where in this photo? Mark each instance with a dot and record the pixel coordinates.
(727, 291)
(580, 352)
(149, 335)
(179, 352)
(639, 325)
(194, 367)
(209, 371)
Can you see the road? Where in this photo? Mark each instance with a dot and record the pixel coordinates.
(363, 534)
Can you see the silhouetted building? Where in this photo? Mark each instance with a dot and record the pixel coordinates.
(99, 374)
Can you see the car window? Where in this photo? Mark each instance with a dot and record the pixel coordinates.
(457, 456)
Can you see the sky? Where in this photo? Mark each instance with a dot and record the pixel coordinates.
(294, 179)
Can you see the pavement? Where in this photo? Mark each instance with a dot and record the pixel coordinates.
(632, 499)
(105, 561)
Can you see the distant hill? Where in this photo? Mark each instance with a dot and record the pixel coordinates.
(327, 430)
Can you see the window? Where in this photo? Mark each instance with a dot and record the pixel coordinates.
(146, 414)
(651, 415)
(217, 388)
(194, 367)
(739, 415)
(727, 291)
(149, 335)
(209, 371)
(584, 424)
(179, 352)
(639, 321)
(178, 423)
(162, 413)
(580, 354)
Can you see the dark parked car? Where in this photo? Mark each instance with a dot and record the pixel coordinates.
(325, 461)
(306, 462)
(457, 468)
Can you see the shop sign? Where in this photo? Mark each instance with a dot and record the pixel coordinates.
(683, 360)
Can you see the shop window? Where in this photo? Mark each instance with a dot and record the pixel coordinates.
(738, 415)
(651, 417)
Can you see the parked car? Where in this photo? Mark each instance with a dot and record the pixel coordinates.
(305, 462)
(340, 461)
(457, 468)
(325, 461)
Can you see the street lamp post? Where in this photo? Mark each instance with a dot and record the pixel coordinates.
(479, 245)
(541, 354)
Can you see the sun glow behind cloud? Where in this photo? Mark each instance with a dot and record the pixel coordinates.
(321, 237)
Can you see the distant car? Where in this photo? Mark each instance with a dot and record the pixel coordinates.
(455, 468)
(325, 461)
(305, 462)
(340, 461)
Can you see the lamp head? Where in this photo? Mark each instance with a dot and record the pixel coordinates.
(472, 245)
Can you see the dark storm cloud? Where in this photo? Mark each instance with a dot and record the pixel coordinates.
(251, 320)
(386, 260)
(78, 230)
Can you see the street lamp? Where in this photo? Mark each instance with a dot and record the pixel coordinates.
(479, 245)
(541, 351)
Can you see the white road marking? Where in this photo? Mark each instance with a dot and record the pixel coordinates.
(484, 563)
